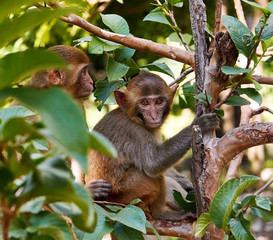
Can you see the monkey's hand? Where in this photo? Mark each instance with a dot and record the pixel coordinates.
(99, 188)
(207, 122)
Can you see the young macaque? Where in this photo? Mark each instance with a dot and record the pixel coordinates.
(75, 81)
(143, 159)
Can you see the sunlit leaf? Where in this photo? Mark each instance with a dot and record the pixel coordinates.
(202, 224)
(157, 17)
(159, 67)
(116, 23)
(12, 29)
(14, 111)
(61, 115)
(223, 201)
(257, 6)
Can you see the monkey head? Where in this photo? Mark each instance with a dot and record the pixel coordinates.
(75, 80)
(147, 99)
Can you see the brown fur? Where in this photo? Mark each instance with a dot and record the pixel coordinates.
(139, 170)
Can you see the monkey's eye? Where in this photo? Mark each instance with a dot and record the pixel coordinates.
(144, 102)
(159, 101)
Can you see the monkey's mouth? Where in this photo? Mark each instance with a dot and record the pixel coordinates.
(153, 124)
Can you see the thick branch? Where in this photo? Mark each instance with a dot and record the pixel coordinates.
(140, 44)
(180, 229)
(241, 138)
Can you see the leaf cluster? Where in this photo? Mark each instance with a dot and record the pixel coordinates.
(234, 216)
(34, 176)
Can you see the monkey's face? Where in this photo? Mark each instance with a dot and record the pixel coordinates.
(152, 110)
(82, 83)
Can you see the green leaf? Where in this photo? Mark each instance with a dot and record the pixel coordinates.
(151, 227)
(202, 225)
(266, 216)
(270, 6)
(159, 67)
(18, 229)
(204, 98)
(7, 176)
(102, 144)
(50, 224)
(104, 89)
(220, 112)
(115, 70)
(34, 206)
(132, 217)
(236, 101)
(267, 32)
(173, 2)
(257, 85)
(241, 229)
(223, 201)
(35, 17)
(234, 70)
(8, 7)
(122, 232)
(98, 45)
(103, 227)
(11, 112)
(257, 6)
(240, 35)
(61, 115)
(251, 93)
(18, 126)
(123, 53)
(157, 17)
(256, 201)
(116, 23)
(23, 64)
(185, 204)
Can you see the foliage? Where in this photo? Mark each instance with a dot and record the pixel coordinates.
(30, 179)
(124, 223)
(232, 215)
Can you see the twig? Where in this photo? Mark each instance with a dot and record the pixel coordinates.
(239, 11)
(260, 110)
(109, 203)
(140, 44)
(171, 15)
(184, 74)
(264, 187)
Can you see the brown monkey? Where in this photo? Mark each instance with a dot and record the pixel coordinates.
(133, 128)
(76, 80)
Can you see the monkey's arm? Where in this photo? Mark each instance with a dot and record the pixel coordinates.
(168, 153)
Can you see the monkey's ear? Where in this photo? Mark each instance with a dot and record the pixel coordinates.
(55, 77)
(120, 98)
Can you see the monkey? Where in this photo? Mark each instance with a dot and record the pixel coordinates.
(76, 81)
(143, 159)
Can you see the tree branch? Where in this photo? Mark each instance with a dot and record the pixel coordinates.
(239, 139)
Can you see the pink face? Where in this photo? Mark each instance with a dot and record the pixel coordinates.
(152, 109)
